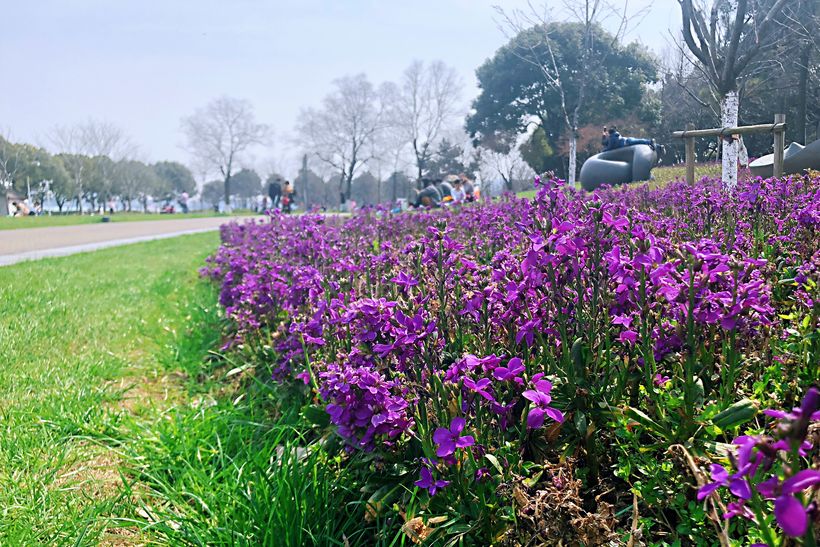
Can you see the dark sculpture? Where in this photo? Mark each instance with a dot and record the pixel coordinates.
(619, 166)
(428, 197)
(433, 194)
(796, 158)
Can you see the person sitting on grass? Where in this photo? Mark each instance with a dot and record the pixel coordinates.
(458, 194)
(612, 140)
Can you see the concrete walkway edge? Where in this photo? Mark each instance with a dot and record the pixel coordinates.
(6, 260)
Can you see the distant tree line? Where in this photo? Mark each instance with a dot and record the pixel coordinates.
(94, 167)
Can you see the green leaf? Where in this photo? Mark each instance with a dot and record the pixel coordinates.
(493, 460)
(647, 422)
(529, 482)
(580, 421)
(736, 415)
(316, 416)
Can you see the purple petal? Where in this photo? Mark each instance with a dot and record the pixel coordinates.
(457, 425)
(768, 487)
(446, 448)
(707, 489)
(740, 488)
(531, 395)
(791, 515)
(779, 414)
(535, 418)
(441, 435)
(555, 414)
(801, 480)
(426, 478)
(544, 386)
(811, 402)
(719, 474)
(465, 441)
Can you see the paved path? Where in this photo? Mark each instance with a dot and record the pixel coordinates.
(34, 243)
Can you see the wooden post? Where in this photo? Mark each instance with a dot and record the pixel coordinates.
(690, 157)
(779, 144)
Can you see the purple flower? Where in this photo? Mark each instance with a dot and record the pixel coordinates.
(426, 481)
(661, 381)
(628, 337)
(450, 439)
(807, 408)
(481, 474)
(541, 398)
(789, 511)
(512, 372)
(482, 387)
(720, 477)
(738, 509)
(405, 281)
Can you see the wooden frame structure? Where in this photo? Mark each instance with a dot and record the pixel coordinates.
(778, 128)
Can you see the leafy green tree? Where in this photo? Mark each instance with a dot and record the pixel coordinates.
(100, 182)
(365, 189)
(10, 161)
(136, 181)
(560, 76)
(212, 192)
(247, 183)
(401, 187)
(25, 167)
(247, 186)
(537, 152)
(178, 177)
(449, 159)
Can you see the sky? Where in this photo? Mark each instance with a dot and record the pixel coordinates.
(145, 64)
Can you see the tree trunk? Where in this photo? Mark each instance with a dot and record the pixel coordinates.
(800, 124)
(573, 157)
(728, 118)
(228, 193)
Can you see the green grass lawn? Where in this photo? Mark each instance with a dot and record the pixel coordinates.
(85, 343)
(665, 173)
(13, 223)
(121, 426)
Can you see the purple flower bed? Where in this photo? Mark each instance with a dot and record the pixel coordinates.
(493, 355)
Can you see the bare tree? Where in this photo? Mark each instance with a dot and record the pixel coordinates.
(341, 133)
(510, 166)
(726, 40)
(220, 133)
(425, 103)
(86, 147)
(590, 14)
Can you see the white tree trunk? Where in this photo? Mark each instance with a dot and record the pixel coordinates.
(573, 152)
(728, 118)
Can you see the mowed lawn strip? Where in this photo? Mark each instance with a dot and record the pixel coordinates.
(81, 344)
